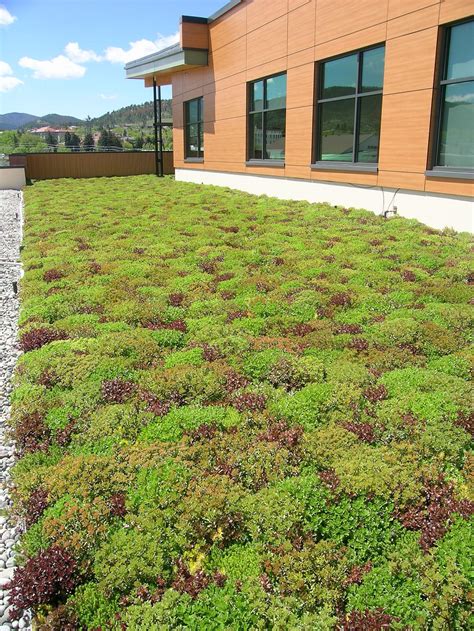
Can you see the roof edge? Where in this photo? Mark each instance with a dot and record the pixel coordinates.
(169, 51)
(178, 60)
(227, 7)
(193, 19)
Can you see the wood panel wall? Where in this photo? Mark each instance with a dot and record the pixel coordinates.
(47, 166)
(193, 35)
(262, 37)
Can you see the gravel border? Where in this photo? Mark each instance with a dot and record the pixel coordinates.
(11, 232)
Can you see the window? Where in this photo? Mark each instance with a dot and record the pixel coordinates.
(193, 129)
(267, 118)
(455, 139)
(349, 108)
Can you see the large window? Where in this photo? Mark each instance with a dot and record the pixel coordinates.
(349, 108)
(267, 118)
(193, 129)
(455, 146)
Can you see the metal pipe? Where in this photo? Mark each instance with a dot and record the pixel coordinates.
(160, 131)
(155, 117)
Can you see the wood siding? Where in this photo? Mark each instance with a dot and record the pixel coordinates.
(48, 166)
(194, 35)
(261, 37)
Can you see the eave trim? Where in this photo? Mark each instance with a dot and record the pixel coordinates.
(159, 64)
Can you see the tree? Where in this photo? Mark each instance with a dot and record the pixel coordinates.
(20, 142)
(88, 142)
(104, 139)
(107, 138)
(75, 142)
(114, 140)
(67, 139)
(30, 143)
(51, 141)
(139, 142)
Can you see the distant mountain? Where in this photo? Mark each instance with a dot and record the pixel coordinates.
(54, 120)
(18, 120)
(140, 115)
(136, 115)
(14, 120)
(60, 120)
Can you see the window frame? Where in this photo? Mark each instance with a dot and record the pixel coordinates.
(434, 169)
(200, 129)
(328, 165)
(271, 162)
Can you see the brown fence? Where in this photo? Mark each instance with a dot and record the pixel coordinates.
(46, 166)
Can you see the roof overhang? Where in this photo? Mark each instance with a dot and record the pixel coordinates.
(192, 51)
(173, 59)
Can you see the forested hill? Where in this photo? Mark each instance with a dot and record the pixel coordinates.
(133, 115)
(20, 120)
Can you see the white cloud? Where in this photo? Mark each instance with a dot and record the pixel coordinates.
(79, 56)
(7, 82)
(5, 69)
(108, 97)
(59, 67)
(140, 48)
(69, 65)
(6, 17)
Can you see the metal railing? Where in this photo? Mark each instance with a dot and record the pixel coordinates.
(29, 148)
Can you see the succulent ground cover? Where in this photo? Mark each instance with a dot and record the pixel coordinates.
(235, 412)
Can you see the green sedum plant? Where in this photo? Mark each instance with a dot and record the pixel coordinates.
(238, 412)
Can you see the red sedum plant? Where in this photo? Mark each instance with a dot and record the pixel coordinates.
(46, 579)
(36, 338)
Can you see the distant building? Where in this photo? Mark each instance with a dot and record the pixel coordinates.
(57, 133)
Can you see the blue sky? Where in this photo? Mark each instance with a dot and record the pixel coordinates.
(67, 56)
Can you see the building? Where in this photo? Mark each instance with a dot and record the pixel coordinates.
(55, 132)
(366, 103)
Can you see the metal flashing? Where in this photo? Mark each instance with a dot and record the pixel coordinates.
(176, 59)
(193, 19)
(220, 12)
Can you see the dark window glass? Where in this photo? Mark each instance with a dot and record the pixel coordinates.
(372, 69)
(460, 62)
(192, 141)
(369, 128)
(275, 135)
(339, 77)
(267, 118)
(257, 96)
(193, 111)
(201, 140)
(193, 128)
(350, 106)
(256, 136)
(337, 130)
(455, 146)
(276, 92)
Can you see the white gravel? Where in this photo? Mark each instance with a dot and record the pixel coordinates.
(11, 219)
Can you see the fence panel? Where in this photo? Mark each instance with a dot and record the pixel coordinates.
(46, 166)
